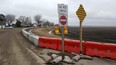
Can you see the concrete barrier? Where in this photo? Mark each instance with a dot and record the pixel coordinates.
(25, 33)
(31, 37)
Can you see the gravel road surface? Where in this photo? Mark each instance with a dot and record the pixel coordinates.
(13, 49)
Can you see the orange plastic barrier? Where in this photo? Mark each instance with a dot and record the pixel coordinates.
(110, 50)
(74, 46)
(95, 49)
(48, 42)
(71, 45)
(89, 48)
(101, 49)
(59, 44)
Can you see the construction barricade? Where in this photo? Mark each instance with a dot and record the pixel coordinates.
(74, 46)
(48, 42)
(59, 45)
(25, 33)
(89, 48)
(95, 49)
(35, 40)
(30, 38)
(71, 45)
(110, 51)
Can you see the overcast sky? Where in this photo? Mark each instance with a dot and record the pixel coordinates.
(99, 12)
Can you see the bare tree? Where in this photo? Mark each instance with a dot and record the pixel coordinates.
(10, 18)
(18, 23)
(37, 18)
(47, 23)
(25, 21)
(22, 18)
(28, 21)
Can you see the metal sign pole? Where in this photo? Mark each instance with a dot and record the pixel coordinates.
(63, 11)
(80, 37)
(62, 27)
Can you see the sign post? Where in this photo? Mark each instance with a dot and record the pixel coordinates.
(63, 13)
(81, 15)
(81, 37)
(62, 27)
(63, 21)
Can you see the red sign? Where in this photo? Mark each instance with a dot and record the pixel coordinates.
(63, 20)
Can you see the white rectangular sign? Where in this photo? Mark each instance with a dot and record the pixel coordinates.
(62, 9)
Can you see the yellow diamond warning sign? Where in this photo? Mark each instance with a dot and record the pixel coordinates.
(81, 13)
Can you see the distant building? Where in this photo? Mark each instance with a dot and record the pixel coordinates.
(2, 21)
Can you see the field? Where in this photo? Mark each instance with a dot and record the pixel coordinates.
(98, 34)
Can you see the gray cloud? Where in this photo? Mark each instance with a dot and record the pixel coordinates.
(99, 12)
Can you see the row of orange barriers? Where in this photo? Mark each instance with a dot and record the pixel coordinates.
(56, 44)
(101, 49)
(89, 48)
(71, 45)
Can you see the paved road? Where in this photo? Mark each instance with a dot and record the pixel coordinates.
(13, 50)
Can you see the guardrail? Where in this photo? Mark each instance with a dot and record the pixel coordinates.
(89, 48)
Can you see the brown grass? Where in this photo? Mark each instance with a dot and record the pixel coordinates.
(44, 32)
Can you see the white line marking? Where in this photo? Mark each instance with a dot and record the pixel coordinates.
(62, 19)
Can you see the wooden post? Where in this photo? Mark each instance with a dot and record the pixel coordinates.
(80, 37)
(62, 42)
